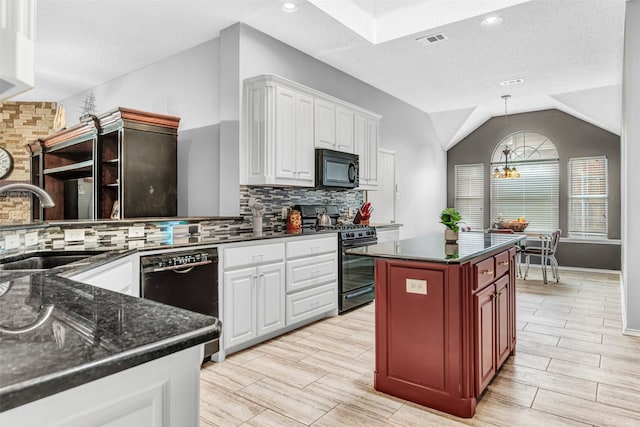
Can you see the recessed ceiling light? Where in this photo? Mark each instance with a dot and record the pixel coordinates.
(289, 7)
(491, 20)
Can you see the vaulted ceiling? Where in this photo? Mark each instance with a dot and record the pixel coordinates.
(567, 52)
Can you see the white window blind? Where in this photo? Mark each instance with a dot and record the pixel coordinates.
(534, 195)
(469, 194)
(588, 197)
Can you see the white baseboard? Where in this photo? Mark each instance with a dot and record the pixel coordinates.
(632, 332)
(582, 269)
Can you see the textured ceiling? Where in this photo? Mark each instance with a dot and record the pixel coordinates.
(569, 52)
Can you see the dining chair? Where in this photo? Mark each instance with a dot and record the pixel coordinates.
(547, 254)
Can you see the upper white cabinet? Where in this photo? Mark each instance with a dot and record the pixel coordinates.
(279, 135)
(325, 124)
(366, 143)
(285, 121)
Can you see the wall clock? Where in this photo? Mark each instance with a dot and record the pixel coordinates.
(6, 163)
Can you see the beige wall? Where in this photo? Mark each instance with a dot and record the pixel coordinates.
(22, 122)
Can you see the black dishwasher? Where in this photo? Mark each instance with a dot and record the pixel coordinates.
(187, 280)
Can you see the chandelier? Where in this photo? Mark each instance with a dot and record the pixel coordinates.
(507, 171)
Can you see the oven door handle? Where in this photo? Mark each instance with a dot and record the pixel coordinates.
(360, 292)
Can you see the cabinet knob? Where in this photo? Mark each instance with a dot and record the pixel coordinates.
(503, 263)
(488, 272)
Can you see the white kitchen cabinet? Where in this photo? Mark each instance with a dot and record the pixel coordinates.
(334, 126)
(312, 277)
(280, 134)
(162, 392)
(121, 275)
(325, 124)
(253, 292)
(272, 287)
(254, 302)
(344, 129)
(366, 131)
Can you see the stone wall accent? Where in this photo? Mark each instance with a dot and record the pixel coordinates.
(22, 122)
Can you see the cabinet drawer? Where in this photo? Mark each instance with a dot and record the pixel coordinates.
(249, 255)
(502, 263)
(301, 248)
(484, 272)
(305, 304)
(307, 272)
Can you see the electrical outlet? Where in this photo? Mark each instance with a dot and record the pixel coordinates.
(350, 212)
(31, 239)
(415, 286)
(74, 235)
(136, 232)
(285, 212)
(134, 244)
(11, 241)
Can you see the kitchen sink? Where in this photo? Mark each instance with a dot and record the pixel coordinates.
(43, 260)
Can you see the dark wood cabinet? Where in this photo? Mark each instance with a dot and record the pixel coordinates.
(139, 164)
(443, 330)
(122, 164)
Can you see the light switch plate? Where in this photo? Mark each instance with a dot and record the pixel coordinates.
(11, 241)
(415, 286)
(31, 239)
(74, 235)
(284, 212)
(136, 232)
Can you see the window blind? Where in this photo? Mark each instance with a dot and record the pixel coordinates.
(588, 197)
(535, 195)
(469, 194)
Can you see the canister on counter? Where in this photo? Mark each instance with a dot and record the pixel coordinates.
(294, 222)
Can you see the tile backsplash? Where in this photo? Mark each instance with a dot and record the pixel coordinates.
(275, 198)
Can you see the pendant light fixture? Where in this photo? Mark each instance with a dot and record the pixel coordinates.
(507, 171)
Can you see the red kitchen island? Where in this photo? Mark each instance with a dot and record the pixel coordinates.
(445, 317)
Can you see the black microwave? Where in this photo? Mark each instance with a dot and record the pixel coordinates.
(336, 169)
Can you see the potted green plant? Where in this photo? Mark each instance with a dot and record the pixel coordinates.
(451, 218)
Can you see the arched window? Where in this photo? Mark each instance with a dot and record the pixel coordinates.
(534, 195)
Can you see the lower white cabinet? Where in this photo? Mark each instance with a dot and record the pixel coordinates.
(162, 392)
(253, 302)
(307, 304)
(271, 287)
(121, 275)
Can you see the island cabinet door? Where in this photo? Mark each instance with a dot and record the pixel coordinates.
(502, 307)
(485, 337)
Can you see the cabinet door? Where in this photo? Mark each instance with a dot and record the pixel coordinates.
(304, 140)
(239, 306)
(344, 129)
(149, 184)
(325, 124)
(285, 144)
(502, 300)
(270, 303)
(360, 145)
(372, 152)
(485, 337)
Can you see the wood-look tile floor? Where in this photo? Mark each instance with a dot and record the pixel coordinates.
(572, 366)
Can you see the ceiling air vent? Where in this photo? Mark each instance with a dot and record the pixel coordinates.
(431, 38)
(511, 82)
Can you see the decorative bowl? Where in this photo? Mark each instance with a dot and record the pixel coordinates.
(516, 226)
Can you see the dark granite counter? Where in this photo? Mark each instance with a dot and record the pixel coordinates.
(433, 248)
(56, 334)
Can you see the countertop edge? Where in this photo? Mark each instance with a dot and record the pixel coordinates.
(22, 393)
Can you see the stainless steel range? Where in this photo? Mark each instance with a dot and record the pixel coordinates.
(355, 274)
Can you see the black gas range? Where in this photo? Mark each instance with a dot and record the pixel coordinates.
(355, 274)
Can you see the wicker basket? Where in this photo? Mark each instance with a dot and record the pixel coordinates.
(516, 226)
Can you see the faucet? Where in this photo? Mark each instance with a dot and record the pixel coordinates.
(45, 198)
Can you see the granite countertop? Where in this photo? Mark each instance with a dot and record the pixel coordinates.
(433, 248)
(89, 333)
